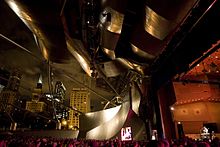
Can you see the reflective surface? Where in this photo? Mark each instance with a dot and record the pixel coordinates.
(110, 53)
(141, 53)
(116, 21)
(136, 98)
(107, 123)
(156, 25)
(48, 29)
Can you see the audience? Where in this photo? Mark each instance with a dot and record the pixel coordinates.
(29, 141)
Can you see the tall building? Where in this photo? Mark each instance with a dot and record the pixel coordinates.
(4, 77)
(79, 99)
(59, 91)
(59, 97)
(9, 94)
(35, 105)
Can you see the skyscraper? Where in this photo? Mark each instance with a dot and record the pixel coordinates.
(35, 105)
(59, 98)
(79, 99)
(9, 95)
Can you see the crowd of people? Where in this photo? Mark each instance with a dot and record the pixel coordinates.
(30, 141)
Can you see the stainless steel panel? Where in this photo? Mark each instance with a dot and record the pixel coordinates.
(43, 19)
(116, 22)
(110, 128)
(157, 25)
(142, 53)
(136, 98)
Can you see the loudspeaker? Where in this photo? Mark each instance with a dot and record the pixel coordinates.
(180, 130)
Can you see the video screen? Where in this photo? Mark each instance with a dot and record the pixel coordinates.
(126, 134)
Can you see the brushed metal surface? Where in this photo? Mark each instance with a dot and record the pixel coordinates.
(107, 123)
(156, 25)
(136, 98)
(116, 22)
(141, 53)
(42, 18)
(110, 128)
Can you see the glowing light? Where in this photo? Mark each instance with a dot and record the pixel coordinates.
(178, 122)
(172, 108)
(57, 100)
(64, 122)
(40, 79)
(49, 95)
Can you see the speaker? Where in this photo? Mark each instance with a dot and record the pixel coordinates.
(180, 130)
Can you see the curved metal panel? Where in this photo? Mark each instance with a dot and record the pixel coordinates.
(145, 41)
(109, 53)
(156, 25)
(110, 128)
(136, 98)
(117, 19)
(129, 65)
(95, 119)
(171, 9)
(113, 68)
(109, 39)
(79, 56)
(43, 19)
(109, 42)
(141, 53)
(107, 123)
(137, 126)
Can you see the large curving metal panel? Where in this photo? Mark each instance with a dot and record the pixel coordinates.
(108, 123)
(156, 25)
(137, 126)
(101, 126)
(76, 48)
(94, 119)
(116, 22)
(161, 20)
(43, 19)
(141, 53)
(109, 46)
(135, 98)
(110, 128)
